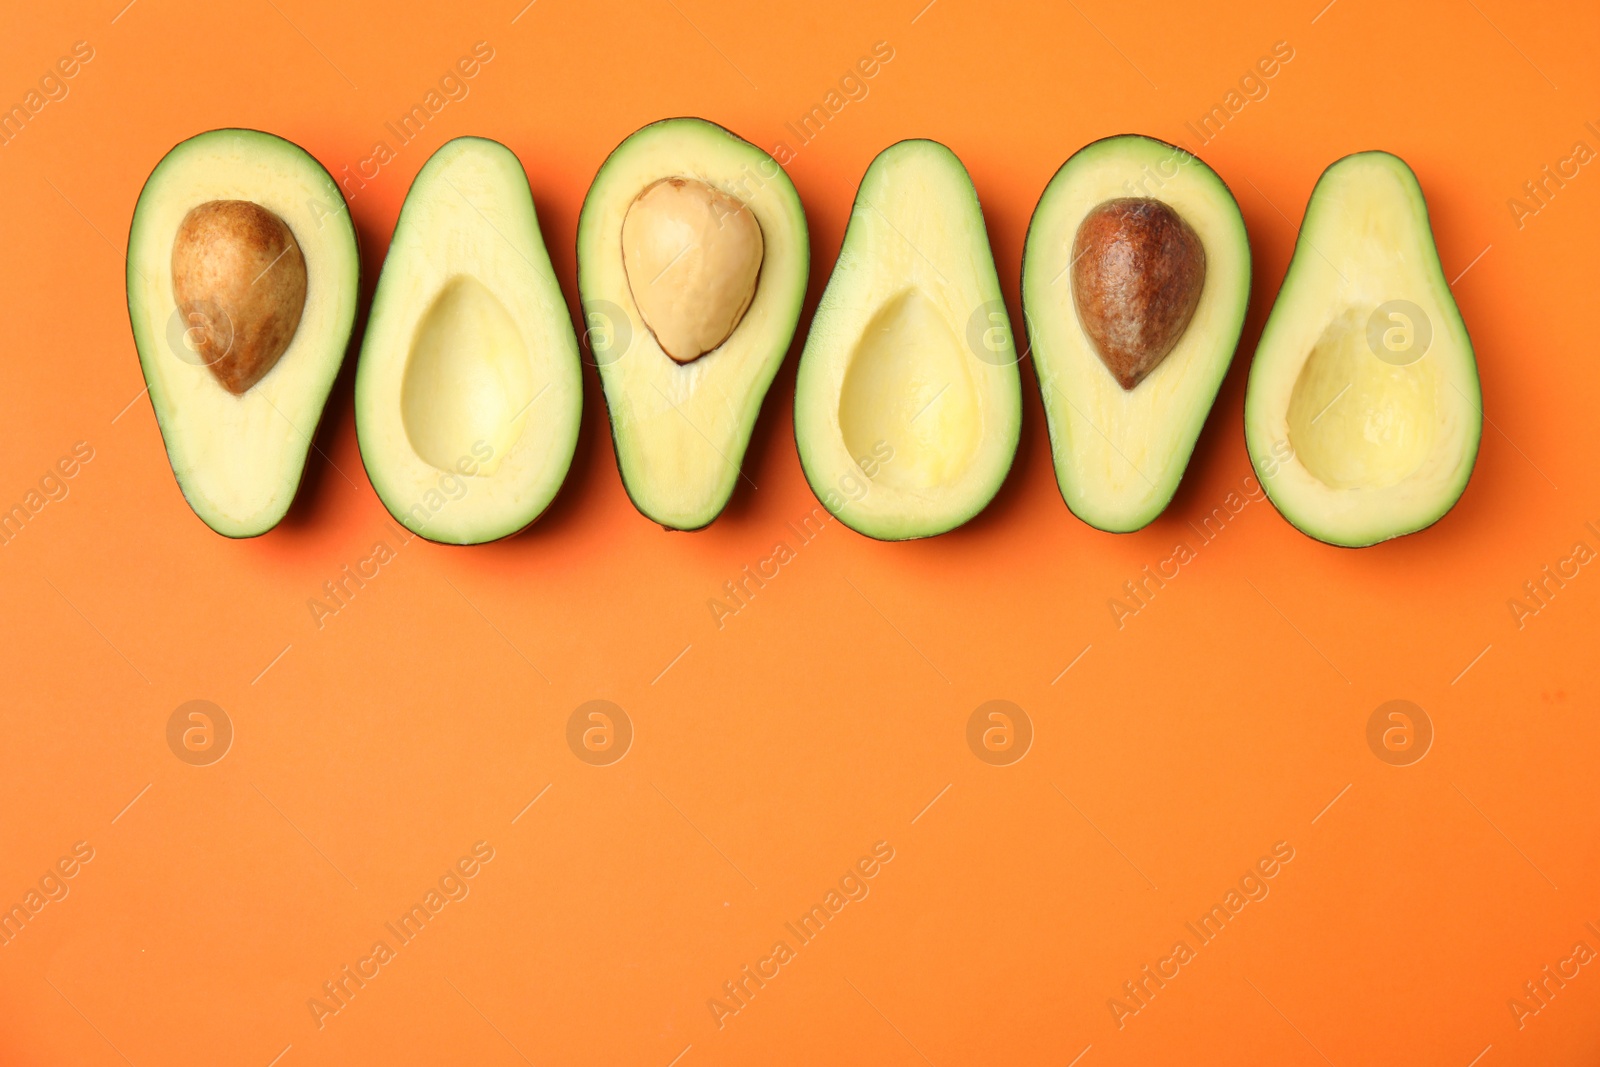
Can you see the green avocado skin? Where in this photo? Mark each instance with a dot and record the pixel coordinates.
(147, 345)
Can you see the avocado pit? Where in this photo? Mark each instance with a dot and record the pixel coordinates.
(692, 255)
(239, 280)
(1137, 272)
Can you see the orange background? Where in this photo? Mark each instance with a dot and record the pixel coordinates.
(826, 716)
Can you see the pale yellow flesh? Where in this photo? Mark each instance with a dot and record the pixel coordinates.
(907, 386)
(469, 378)
(1356, 422)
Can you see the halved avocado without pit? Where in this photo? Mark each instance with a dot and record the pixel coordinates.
(1363, 412)
(693, 259)
(908, 403)
(469, 392)
(243, 278)
(1135, 280)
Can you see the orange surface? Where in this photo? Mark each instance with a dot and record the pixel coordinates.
(770, 755)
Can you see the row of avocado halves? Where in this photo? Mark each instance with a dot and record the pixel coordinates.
(1362, 410)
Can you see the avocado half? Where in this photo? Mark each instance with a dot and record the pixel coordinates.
(243, 278)
(693, 259)
(908, 403)
(1119, 450)
(1363, 412)
(469, 392)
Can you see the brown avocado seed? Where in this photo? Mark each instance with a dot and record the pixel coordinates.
(1137, 272)
(239, 280)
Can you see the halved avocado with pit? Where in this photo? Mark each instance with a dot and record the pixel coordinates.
(1363, 412)
(469, 392)
(1135, 280)
(693, 259)
(243, 277)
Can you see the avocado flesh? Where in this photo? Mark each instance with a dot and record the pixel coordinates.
(469, 391)
(681, 429)
(908, 401)
(239, 458)
(1363, 412)
(1120, 453)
